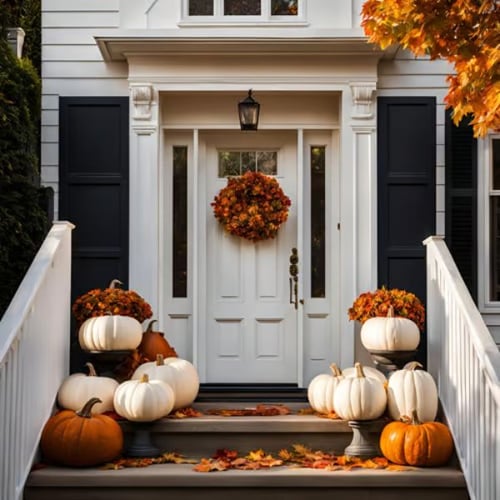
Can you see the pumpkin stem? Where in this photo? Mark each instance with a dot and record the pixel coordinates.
(144, 378)
(159, 360)
(335, 370)
(114, 283)
(92, 372)
(414, 418)
(359, 370)
(413, 365)
(86, 411)
(390, 312)
(150, 326)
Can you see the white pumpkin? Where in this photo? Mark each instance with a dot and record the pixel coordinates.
(369, 371)
(360, 397)
(110, 333)
(390, 333)
(179, 373)
(78, 388)
(411, 389)
(322, 388)
(143, 400)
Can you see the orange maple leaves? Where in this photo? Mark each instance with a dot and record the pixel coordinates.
(261, 410)
(464, 32)
(298, 456)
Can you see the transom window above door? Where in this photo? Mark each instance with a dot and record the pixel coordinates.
(233, 162)
(244, 10)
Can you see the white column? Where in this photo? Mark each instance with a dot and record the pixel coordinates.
(358, 205)
(144, 193)
(363, 126)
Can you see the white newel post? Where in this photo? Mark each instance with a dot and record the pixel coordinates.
(144, 193)
(358, 202)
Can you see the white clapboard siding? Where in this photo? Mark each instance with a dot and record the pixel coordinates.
(77, 53)
(73, 66)
(72, 36)
(50, 133)
(80, 5)
(111, 87)
(102, 19)
(50, 154)
(71, 69)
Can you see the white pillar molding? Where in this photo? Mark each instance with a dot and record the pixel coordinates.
(358, 202)
(144, 193)
(362, 100)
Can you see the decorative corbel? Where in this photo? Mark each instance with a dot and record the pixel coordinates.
(142, 98)
(362, 99)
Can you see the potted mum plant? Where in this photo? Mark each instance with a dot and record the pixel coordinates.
(114, 301)
(392, 320)
(110, 300)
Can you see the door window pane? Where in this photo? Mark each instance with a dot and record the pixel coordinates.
(284, 7)
(238, 162)
(179, 219)
(267, 162)
(318, 240)
(201, 7)
(242, 7)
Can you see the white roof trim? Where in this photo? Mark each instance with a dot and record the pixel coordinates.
(116, 45)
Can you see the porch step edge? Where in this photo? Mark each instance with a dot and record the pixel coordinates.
(182, 475)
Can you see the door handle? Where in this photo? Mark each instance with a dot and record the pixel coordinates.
(294, 278)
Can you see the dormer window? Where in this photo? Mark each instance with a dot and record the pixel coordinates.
(244, 10)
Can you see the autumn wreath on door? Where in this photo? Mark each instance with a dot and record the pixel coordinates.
(252, 206)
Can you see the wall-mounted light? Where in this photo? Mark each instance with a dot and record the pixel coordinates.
(248, 110)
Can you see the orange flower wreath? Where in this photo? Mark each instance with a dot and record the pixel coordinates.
(252, 206)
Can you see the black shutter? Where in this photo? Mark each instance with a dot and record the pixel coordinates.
(94, 193)
(406, 192)
(461, 199)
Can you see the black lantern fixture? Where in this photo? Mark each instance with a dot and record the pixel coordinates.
(248, 110)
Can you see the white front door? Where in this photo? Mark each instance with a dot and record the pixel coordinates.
(246, 303)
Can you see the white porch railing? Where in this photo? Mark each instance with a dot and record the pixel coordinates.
(34, 357)
(465, 361)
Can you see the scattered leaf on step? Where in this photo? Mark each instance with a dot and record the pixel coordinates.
(261, 410)
(188, 412)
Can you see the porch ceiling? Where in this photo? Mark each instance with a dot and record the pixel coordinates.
(119, 45)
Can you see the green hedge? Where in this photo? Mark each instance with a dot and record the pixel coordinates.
(23, 221)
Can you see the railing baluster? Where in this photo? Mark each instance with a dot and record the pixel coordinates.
(468, 372)
(37, 321)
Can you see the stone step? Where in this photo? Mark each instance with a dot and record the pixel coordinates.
(202, 436)
(180, 481)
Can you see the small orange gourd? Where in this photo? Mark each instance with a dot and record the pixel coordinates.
(154, 343)
(427, 444)
(81, 438)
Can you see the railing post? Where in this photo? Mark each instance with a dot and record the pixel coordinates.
(434, 311)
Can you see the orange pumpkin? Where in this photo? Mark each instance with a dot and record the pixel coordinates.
(80, 438)
(427, 444)
(154, 343)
